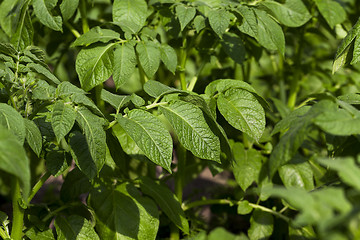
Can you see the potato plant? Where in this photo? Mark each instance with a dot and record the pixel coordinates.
(127, 102)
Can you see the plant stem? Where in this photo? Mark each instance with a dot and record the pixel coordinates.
(85, 25)
(265, 209)
(3, 234)
(38, 185)
(183, 56)
(72, 29)
(179, 185)
(18, 212)
(99, 102)
(196, 77)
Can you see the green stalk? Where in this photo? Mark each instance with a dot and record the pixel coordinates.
(18, 212)
(183, 56)
(38, 185)
(3, 234)
(72, 29)
(179, 185)
(85, 25)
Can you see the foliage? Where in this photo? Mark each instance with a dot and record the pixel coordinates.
(122, 98)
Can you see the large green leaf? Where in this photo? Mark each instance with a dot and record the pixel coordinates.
(95, 135)
(125, 62)
(68, 8)
(74, 227)
(185, 14)
(192, 130)
(123, 213)
(83, 100)
(247, 165)
(332, 11)
(57, 161)
(234, 47)
(14, 160)
(347, 169)
(261, 225)
(168, 57)
(24, 33)
(221, 233)
(270, 35)
(130, 15)
(62, 119)
(219, 20)
(66, 89)
(157, 89)
(45, 17)
(34, 234)
(75, 184)
(149, 57)
(243, 111)
(44, 71)
(293, 13)
(94, 65)
(150, 135)
(167, 201)
(12, 120)
(33, 136)
(249, 23)
(96, 34)
(9, 15)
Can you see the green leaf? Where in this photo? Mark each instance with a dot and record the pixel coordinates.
(80, 151)
(332, 11)
(92, 126)
(62, 119)
(346, 168)
(123, 213)
(94, 65)
(33, 136)
(234, 47)
(247, 165)
(45, 17)
(339, 122)
(44, 71)
(83, 100)
(149, 57)
(270, 35)
(219, 20)
(9, 15)
(34, 234)
(297, 173)
(199, 23)
(356, 53)
(157, 89)
(57, 162)
(243, 111)
(68, 8)
(75, 184)
(221, 233)
(343, 49)
(75, 228)
(285, 123)
(115, 100)
(261, 225)
(8, 49)
(185, 14)
(13, 159)
(249, 23)
(96, 34)
(150, 135)
(66, 89)
(168, 57)
(293, 13)
(167, 201)
(192, 130)
(12, 120)
(24, 33)
(130, 15)
(125, 62)
(244, 207)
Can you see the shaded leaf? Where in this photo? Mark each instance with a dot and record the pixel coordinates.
(12, 120)
(185, 14)
(56, 162)
(261, 225)
(74, 227)
(44, 71)
(33, 136)
(24, 33)
(68, 8)
(123, 213)
(234, 47)
(62, 119)
(75, 184)
(45, 17)
(332, 11)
